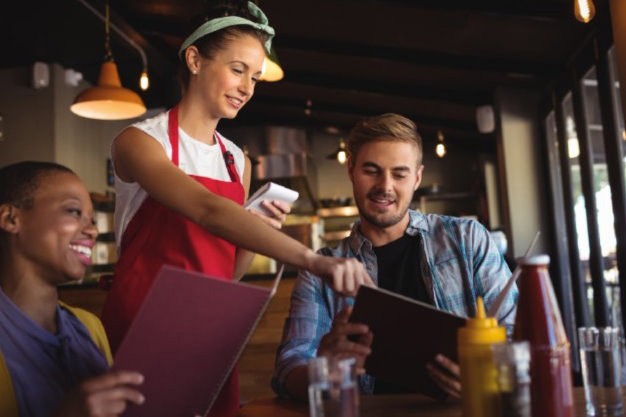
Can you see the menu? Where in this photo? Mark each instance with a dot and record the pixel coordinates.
(407, 335)
(186, 338)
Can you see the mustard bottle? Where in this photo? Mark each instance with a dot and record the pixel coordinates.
(480, 396)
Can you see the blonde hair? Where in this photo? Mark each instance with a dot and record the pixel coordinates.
(385, 127)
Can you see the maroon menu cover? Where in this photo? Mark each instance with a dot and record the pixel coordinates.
(407, 335)
(186, 338)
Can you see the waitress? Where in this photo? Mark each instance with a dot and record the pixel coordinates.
(180, 185)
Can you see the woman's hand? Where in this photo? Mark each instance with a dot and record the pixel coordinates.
(447, 375)
(278, 213)
(344, 275)
(105, 395)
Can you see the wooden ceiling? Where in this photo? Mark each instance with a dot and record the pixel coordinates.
(432, 60)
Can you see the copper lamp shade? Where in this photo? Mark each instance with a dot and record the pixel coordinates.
(108, 100)
(272, 70)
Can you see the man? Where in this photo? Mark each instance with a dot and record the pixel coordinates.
(445, 261)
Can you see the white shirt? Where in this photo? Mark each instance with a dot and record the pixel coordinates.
(194, 158)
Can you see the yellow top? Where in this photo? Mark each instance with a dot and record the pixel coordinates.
(481, 330)
(8, 404)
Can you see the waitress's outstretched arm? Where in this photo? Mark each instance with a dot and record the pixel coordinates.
(140, 158)
(278, 210)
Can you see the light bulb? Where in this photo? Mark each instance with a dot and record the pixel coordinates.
(584, 10)
(144, 81)
(341, 157)
(440, 150)
(573, 149)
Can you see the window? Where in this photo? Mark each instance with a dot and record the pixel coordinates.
(602, 192)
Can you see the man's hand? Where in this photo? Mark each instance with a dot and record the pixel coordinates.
(105, 395)
(446, 374)
(336, 343)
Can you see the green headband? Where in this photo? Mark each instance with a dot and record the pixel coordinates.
(220, 23)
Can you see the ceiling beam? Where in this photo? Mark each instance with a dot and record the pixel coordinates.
(390, 88)
(468, 126)
(267, 114)
(555, 10)
(535, 70)
(367, 101)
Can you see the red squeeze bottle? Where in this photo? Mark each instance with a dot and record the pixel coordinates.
(538, 320)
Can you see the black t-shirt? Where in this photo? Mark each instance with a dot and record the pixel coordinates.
(399, 268)
(399, 271)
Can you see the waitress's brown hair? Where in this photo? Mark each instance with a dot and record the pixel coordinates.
(209, 44)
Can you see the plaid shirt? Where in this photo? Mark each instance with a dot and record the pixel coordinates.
(459, 262)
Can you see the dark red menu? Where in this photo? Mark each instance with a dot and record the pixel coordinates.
(408, 334)
(186, 338)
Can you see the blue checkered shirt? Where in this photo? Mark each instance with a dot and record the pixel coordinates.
(459, 262)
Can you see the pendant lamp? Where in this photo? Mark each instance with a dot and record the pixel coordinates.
(584, 10)
(341, 154)
(440, 149)
(271, 69)
(108, 100)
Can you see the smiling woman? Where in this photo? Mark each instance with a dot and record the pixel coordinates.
(53, 358)
(49, 218)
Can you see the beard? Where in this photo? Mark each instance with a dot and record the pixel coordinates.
(382, 220)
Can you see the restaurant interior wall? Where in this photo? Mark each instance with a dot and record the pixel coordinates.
(27, 118)
(525, 192)
(39, 125)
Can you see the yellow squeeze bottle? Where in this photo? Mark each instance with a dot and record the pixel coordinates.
(480, 395)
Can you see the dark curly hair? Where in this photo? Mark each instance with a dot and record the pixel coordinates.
(19, 181)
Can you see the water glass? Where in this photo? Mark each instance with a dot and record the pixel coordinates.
(333, 388)
(512, 361)
(600, 355)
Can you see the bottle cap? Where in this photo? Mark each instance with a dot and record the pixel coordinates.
(535, 260)
(481, 329)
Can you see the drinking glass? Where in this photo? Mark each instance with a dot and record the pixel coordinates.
(600, 357)
(333, 388)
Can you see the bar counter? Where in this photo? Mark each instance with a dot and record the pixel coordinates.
(405, 405)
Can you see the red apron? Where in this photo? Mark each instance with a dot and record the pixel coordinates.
(157, 235)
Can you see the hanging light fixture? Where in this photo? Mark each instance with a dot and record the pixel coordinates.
(440, 149)
(108, 100)
(341, 154)
(271, 69)
(144, 81)
(584, 10)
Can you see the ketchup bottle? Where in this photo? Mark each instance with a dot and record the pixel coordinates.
(538, 320)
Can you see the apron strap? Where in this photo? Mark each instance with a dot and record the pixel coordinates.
(229, 160)
(172, 127)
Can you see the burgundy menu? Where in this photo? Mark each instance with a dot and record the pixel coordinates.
(186, 338)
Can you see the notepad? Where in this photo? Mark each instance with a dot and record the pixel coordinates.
(186, 338)
(271, 191)
(407, 335)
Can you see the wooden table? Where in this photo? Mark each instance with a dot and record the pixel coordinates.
(412, 405)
